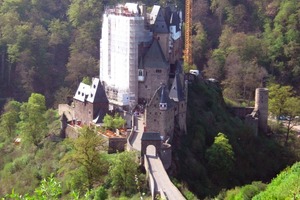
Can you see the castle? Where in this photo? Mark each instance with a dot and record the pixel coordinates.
(140, 70)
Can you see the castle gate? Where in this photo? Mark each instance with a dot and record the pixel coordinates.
(150, 138)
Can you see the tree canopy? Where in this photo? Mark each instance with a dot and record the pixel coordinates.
(220, 157)
(84, 162)
(33, 125)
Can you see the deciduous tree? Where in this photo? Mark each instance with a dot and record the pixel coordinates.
(33, 125)
(122, 173)
(84, 161)
(278, 96)
(113, 123)
(9, 119)
(220, 157)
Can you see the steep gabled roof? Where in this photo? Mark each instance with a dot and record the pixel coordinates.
(163, 95)
(82, 91)
(92, 93)
(154, 58)
(157, 20)
(175, 20)
(176, 91)
(99, 116)
(164, 98)
(97, 93)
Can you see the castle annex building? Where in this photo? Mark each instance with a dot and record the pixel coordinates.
(140, 70)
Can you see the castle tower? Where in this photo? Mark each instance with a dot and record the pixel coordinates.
(261, 105)
(160, 113)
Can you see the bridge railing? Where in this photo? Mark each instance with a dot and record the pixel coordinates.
(130, 137)
(149, 176)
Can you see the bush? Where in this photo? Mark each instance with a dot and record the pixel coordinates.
(21, 162)
(100, 194)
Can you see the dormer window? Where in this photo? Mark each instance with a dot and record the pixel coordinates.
(163, 106)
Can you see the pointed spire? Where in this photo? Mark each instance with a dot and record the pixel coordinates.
(176, 92)
(163, 104)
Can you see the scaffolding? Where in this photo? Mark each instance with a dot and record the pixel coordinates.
(121, 36)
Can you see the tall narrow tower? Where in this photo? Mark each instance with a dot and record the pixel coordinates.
(188, 32)
(261, 105)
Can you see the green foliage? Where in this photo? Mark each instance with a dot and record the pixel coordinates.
(9, 119)
(122, 173)
(246, 192)
(187, 67)
(100, 194)
(49, 188)
(283, 102)
(220, 157)
(199, 45)
(281, 35)
(84, 162)
(278, 96)
(33, 123)
(113, 123)
(87, 80)
(284, 186)
(108, 121)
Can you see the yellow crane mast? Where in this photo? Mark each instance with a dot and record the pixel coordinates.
(188, 32)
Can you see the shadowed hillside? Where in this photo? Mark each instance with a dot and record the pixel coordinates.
(255, 158)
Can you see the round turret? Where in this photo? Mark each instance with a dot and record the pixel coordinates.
(261, 105)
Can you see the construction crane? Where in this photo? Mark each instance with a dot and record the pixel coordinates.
(188, 32)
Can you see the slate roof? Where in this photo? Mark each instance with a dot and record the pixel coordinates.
(154, 57)
(92, 93)
(164, 98)
(157, 20)
(99, 117)
(82, 92)
(97, 93)
(150, 136)
(176, 91)
(163, 95)
(175, 20)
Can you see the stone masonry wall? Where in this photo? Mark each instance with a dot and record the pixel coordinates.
(158, 120)
(153, 79)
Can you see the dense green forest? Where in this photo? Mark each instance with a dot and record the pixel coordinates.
(48, 46)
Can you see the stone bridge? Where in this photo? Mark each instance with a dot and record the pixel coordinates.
(159, 181)
(152, 151)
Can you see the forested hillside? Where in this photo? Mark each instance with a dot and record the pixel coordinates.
(220, 151)
(49, 46)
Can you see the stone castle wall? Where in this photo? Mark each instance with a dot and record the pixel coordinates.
(154, 77)
(83, 111)
(157, 120)
(241, 112)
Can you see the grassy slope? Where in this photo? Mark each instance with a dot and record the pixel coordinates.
(285, 186)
